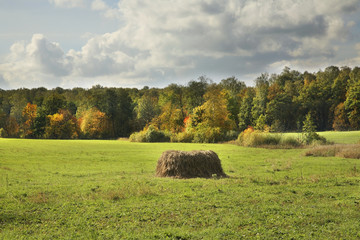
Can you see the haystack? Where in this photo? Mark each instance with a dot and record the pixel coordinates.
(181, 164)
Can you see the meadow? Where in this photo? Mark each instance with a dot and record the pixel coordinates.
(98, 189)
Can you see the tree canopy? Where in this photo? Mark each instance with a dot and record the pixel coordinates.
(278, 102)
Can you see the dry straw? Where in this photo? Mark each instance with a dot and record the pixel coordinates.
(181, 164)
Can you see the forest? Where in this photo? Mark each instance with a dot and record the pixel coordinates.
(201, 111)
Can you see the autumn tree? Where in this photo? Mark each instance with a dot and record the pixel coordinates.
(216, 112)
(341, 121)
(12, 127)
(62, 125)
(95, 124)
(172, 105)
(29, 115)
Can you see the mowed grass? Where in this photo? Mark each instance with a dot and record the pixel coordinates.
(51, 189)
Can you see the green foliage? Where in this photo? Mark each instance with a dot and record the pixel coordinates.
(3, 133)
(260, 123)
(207, 134)
(309, 134)
(146, 109)
(352, 105)
(252, 138)
(230, 135)
(255, 138)
(245, 116)
(138, 137)
(277, 102)
(154, 135)
(150, 134)
(184, 137)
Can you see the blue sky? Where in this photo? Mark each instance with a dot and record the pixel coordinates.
(133, 43)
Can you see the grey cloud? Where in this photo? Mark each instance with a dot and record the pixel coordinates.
(212, 7)
(49, 55)
(317, 26)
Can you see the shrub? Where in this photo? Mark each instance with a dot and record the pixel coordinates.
(186, 136)
(206, 134)
(252, 138)
(309, 135)
(3, 133)
(230, 135)
(313, 138)
(137, 137)
(150, 134)
(290, 142)
(154, 135)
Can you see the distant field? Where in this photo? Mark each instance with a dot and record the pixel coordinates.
(349, 137)
(83, 189)
(342, 137)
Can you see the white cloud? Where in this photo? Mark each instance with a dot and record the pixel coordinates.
(68, 3)
(168, 40)
(98, 5)
(39, 62)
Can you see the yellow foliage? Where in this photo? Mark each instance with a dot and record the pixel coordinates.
(29, 115)
(95, 124)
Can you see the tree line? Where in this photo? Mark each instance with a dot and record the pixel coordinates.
(201, 111)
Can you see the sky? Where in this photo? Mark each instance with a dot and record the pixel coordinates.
(137, 43)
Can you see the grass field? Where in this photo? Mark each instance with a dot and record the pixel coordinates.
(336, 137)
(80, 189)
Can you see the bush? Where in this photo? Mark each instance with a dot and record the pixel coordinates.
(137, 137)
(3, 133)
(186, 137)
(313, 138)
(150, 134)
(205, 134)
(290, 142)
(154, 135)
(253, 138)
(230, 135)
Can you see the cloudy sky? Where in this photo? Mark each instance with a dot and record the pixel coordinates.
(136, 43)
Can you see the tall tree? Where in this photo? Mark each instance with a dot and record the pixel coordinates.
(245, 116)
(28, 124)
(232, 89)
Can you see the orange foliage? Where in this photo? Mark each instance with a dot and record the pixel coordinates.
(250, 129)
(61, 125)
(274, 90)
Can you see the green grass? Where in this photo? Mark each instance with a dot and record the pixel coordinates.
(349, 137)
(77, 189)
(342, 137)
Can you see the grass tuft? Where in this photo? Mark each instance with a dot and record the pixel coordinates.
(337, 150)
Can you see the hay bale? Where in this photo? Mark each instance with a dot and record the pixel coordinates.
(181, 164)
